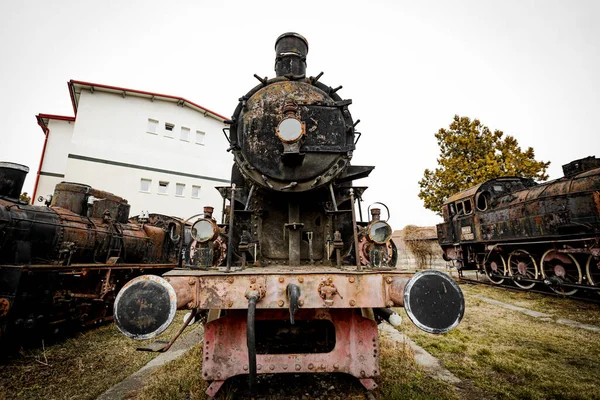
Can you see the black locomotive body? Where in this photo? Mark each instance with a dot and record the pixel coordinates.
(514, 229)
(63, 264)
(291, 278)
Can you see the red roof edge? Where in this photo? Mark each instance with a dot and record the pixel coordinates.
(57, 117)
(73, 82)
(72, 94)
(40, 122)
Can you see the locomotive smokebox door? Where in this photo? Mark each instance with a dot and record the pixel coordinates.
(433, 301)
(145, 307)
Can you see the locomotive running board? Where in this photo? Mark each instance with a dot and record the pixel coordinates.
(356, 350)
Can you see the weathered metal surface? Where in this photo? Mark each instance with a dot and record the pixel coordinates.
(262, 149)
(529, 221)
(58, 266)
(12, 177)
(291, 49)
(87, 201)
(356, 350)
(318, 290)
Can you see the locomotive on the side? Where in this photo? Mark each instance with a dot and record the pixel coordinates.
(292, 278)
(63, 264)
(514, 229)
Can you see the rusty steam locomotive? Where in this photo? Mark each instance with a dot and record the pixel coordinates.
(291, 280)
(63, 264)
(515, 230)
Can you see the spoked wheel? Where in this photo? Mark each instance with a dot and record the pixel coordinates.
(522, 265)
(558, 268)
(592, 269)
(495, 268)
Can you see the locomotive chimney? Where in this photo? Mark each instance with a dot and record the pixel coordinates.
(12, 177)
(291, 49)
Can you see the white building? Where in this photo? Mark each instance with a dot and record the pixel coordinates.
(162, 153)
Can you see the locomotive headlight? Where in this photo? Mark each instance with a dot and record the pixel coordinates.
(204, 230)
(380, 232)
(290, 130)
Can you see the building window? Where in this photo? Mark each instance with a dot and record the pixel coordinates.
(199, 137)
(179, 189)
(152, 126)
(195, 192)
(185, 134)
(169, 129)
(145, 185)
(163, 187)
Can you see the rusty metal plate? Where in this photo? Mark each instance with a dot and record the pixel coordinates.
(227, 291)
(356, 351)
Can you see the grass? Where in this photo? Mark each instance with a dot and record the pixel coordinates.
(507, 354)
(402, 378)
(81, 367)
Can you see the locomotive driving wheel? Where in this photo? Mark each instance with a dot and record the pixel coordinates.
(558, 268)
(592, 269)
(522, 265)
(495, 268)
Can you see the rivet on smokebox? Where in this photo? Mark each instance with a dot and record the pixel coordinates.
(351, 279)
(253, 280)
(300, 302)
(230, 304)
(280, 303)
(336, 366)
(281, 279)
(191, 281)
(230, 279)
(388, 279)
(300, 279)
(390, 304)
(352, 303)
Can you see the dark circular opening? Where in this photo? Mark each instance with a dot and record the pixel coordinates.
(143, 308)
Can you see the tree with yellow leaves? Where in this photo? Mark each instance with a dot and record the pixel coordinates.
(470, 153)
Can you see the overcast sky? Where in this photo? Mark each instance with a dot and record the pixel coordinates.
(528, 68)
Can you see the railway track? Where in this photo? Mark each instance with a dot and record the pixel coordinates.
(589, 297)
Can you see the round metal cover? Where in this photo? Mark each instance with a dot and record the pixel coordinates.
(433, 301)
(203, 230)
(380, 232)
(145, 307)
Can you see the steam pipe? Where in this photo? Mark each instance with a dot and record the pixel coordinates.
(230, 232)
(251, 342)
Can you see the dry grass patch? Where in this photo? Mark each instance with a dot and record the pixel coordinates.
(82, 367)
(402, 378)
(559, 307)
(510, 355)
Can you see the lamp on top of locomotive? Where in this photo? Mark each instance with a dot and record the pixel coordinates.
(208, 247)
(376, 248)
